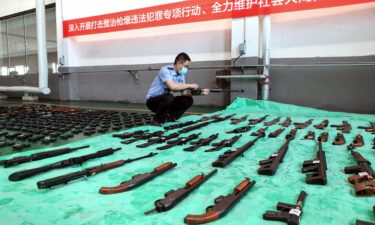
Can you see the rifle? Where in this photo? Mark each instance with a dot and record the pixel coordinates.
(317, 166)
(303, 125)
(286, 122)
(256, 121)
(373, 147)
(21, 146)
(230, 155)
(322, 125)
(272, 122)
(339, 139)
(260, 130)
(143, 136)
(6, 143)
(199, 91)
(239, 120)
(158, 140)
(17, 176)
(270, 165)
(309, 136)
(223, 144)
(201, 142)
(222, 204)
(239, 130)
(290, 214)
(173, 197)
(188, 123)
(129, 134)
(364, 178)
(357, 142)
(178, 141)
(276, 133)
(200, 125)
(370, 129)
(345, 127)
(138, 179)
(65, 179)
(323, 137)
(38, 156)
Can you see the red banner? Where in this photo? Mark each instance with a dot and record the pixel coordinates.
(191, 11)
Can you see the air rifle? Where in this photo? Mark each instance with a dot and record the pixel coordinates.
(230, 155)
(364, 178)
(276, 133)
(157, 140)
(370, 129)
(201, 142)
(200, 125)
(178, 141)
(316, 168)
(270, 165)
(303, 125)
(64, 179)
(129, 134)
(173, 197)
(272, 122)
(222, 204)
(38, 156)
(260, 130)
(17, 176)
(256, 121)
(138, 179)
(239, 130)
(290, 214)
(322, 125)
(345, 127)
(237, 120)
(286, 122)
(224, 143)
(143, 136)
(199, 91)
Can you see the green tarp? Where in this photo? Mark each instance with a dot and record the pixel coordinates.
(80, 203)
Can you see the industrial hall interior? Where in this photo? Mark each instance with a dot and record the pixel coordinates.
(173, 112)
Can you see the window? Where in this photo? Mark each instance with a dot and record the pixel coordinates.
(18, 44)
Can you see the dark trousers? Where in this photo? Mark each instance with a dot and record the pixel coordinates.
(168, 105)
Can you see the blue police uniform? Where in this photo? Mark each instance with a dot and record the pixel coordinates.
(161, 102)
(158, 86)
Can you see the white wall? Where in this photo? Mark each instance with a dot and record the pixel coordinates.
(331, 32)
(8, 7)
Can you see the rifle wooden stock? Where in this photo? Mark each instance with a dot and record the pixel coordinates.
(137, 180)
(322, 125)
(222, 204)
(256, 121)
(339, 139)
(272, 122)
(276, 133)
(286, 122)
(323, 137)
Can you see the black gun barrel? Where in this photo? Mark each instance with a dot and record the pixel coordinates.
(17, 176)
(38, 156)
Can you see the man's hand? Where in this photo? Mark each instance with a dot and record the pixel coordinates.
(205, 91)
(194, 86)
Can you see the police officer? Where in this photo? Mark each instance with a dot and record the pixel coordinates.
(171, 78)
